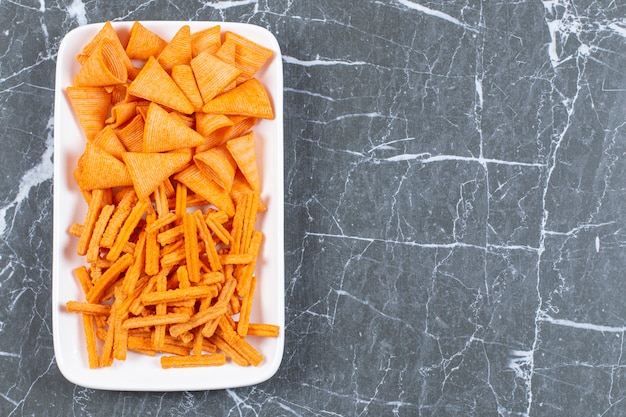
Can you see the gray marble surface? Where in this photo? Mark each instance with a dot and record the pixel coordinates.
(455, 226)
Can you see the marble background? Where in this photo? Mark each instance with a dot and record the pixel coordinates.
(455, 226)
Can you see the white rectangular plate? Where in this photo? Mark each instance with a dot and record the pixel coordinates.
(140, 372)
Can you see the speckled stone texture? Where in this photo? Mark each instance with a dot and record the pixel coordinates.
(455, 226)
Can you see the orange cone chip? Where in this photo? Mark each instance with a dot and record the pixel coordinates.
(184, 78)
(209, 123)
(99, 169)
(247, 99)
(250, 56)
(108, 140)
(131, 135)
(91, 107)
(163, 132)
(217, 164)
(148, 170)
(122, 113)
(193, 178)
(243, 150)
(104, 67)
(108, 32)
(212, 75)
(208, 39)
(143, 43)
(177, 51)
(154, 83)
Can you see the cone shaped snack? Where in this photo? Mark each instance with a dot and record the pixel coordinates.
(218, 164)
(200, 184)
(154, 83)
(247, 99)
(177, 51)
(104, 67)
(243, 151)
(164, 132)
(249, 56)
(212, 75)
(208, 39)
(185, 80)
(149, 170)
(91, 107)
(99, 169)
(108, 32)
(143, 43)
(108, 140)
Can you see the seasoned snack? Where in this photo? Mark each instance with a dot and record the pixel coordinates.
(171, 184)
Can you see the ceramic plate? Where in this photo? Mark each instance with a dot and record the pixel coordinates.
(139, 372)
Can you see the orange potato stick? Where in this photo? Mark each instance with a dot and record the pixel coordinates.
(87, 308)
(93, 250)
(213, 278)
(198, 341)
(82, 275)
(226, 332)
(183, 278)
(93, 211)
(181, 201)
(109, 277)
(173, 259)
(153, 256)
(127, 229)
(136, 269)
(209, 244)
(263, 330)
(179, 294)
(161, 202)
(238, 223)
(122, 211)
(216, 359)
(169, 318)
(236, 259)
(220, 231)
(247, 272)
(158, 337)
(162, 221)
(136, 307)
(76, 230)
(230, 351)
(144, 344)
(246, 308)
(197, 319)
(190, 233)
(90, 338)
(222, 300)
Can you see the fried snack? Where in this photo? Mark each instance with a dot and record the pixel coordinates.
(170, 179)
